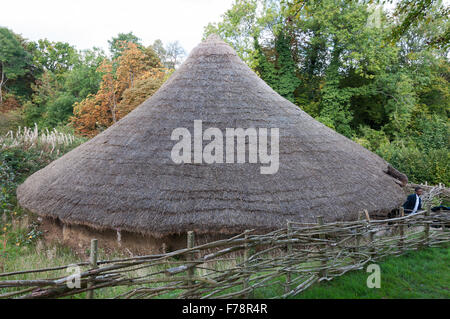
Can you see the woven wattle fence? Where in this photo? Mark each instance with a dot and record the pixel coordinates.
(295, 258)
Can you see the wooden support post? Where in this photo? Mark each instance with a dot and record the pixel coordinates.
(446, 226)
(322, 272)
(287, 286)
(401, 227)
(426, 234)
(93, 263)
(366, 212)
(372, 250)
(246, 256)
(372, 245)
(190, 257)
(358, 236)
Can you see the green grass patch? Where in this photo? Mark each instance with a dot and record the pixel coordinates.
(417, 274)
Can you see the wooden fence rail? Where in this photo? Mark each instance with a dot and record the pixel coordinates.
(295, 258)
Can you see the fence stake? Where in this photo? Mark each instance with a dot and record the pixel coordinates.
(93, 264)
(445, 226)
(287, 287)
(322, 272)
(246, 256)
(372, 250)
(427, 225)
(366, 212)
(358, 236)
(401, 228)
(372, 245)
(190, 257)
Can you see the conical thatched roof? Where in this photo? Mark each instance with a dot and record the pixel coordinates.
(125, 177)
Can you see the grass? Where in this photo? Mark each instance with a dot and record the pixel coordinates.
(423, 274)
(417, 274)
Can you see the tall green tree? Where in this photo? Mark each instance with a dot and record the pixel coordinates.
(119, 43)
(263, 66)
(55, 94)
(244, 21)
(55, 57)
(277, 67)
(159, 49)
(413, 13)
(13, 58)
(286, 69)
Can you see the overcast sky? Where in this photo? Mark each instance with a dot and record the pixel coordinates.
(88, 23)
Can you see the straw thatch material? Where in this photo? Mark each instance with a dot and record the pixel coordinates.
(125, 178)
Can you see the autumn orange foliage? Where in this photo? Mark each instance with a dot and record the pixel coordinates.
(127, 82)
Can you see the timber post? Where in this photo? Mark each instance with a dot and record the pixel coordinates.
(323, 263)
(287, 287)
(401, 228)
(190, 257)
(246, 256)
(427, 226)
(372, 250)
(93, 263)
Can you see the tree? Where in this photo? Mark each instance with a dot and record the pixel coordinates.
(286, 69)
(280, 73)
(244, 21)
(13, 58)
(45, 90)
(327, 58)
(412, 13)
(170, 55)
(56, 57)
(174, 54)
(54, 94)
(158, 47)
(263, 66)
(118, 44)
(83, 79)
(145, 87)
(138, 74)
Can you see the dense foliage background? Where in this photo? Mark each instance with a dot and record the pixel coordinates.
(377, 76)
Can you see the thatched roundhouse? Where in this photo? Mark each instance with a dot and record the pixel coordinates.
(124, 179)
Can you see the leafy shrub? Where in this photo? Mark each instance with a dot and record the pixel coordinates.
(431, 132)
(58, 110)
(7, 185)
(371, 139)
(432, 165)
(24, 152)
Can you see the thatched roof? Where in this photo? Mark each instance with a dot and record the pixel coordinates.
(125, 178)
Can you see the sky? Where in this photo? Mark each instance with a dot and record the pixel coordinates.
(89, 23)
